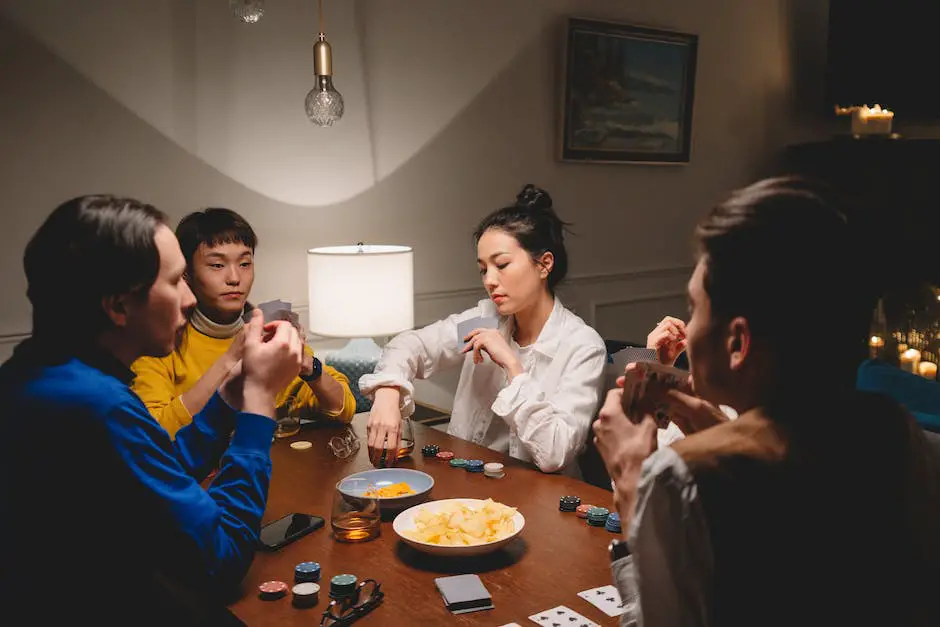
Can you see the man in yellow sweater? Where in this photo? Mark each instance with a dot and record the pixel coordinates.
(219, 247)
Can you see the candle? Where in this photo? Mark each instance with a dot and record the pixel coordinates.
(927, 369)
(901, 347)
(909, 360)
(875, 344)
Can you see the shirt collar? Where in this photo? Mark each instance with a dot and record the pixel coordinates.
(550, 336)
(41, 353)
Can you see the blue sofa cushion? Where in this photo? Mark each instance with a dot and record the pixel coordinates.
(921, 396)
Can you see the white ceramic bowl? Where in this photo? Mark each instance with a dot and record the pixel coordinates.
(405, 521)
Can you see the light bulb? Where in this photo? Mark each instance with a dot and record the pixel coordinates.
(248, 11)
(324, 104)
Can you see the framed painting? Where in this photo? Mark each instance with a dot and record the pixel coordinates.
(628, 93)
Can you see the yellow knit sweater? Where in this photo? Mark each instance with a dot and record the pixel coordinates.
(160, 381)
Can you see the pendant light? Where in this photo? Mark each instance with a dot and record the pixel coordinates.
(324, 104)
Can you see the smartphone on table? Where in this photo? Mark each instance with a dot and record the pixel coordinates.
(281, 532)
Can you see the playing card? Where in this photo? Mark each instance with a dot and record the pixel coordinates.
(511, 625)
(268, 308)
(644, 387)
(561, 616)
(632, 354)
(605, 598)
(482, 322)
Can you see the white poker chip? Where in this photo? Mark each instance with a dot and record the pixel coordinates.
(493, 467)
(301, 445)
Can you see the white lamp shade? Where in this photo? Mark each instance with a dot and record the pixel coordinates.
(360, 291)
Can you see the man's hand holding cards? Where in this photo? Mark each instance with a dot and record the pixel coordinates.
(646, 391)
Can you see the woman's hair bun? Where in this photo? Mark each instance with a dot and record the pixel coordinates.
(533, 198)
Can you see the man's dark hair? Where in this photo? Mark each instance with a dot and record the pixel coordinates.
(89, 248)
(212, 227)
(782, 254)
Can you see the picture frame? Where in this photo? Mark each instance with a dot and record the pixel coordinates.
(628, 93)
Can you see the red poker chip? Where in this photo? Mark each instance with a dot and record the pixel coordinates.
(271, 590)
(582, 510)
(445, 455)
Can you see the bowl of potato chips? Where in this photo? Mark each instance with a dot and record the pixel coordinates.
(459, 527)
(395, 488)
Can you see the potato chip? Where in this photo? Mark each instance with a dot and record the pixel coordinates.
(460, 524)
(390, 491)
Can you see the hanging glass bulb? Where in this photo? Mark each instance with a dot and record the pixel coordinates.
(248, 11)
(324, 104)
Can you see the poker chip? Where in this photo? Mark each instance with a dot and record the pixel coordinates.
(342, 585)
(301, 445)
(494, 470)
(597, 516)
(306, 594)
(445, 455)
(272, 590)
(583, 509)
(306, 571)
(430, 450)
(612, 523)
(457, 462)
(474, 465)
(569, 503)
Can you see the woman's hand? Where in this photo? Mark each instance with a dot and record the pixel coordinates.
(668, 339)
(491, 342)
(384, 427)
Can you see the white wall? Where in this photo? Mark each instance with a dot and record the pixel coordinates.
(450, 108)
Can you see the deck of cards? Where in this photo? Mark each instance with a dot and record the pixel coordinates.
(277, 310)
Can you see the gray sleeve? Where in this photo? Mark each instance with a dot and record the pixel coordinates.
(666, 581)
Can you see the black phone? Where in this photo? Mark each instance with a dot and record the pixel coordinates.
(283, 531)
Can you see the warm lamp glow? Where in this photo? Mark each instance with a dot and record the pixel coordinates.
(382, 277)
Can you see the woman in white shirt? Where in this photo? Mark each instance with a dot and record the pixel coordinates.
(530, 387)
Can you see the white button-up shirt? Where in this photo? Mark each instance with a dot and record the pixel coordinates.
(542, 416)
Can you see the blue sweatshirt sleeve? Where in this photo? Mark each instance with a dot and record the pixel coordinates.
(200, 443)
(223, 522)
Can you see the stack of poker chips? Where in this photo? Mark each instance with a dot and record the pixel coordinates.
(272, 590)
(306, 571)
(342, 586)
(474, 465)
(583, 509)
(305, 594)
(430, 450)
(445, 456)
(493, 470)
(613, 523)
(569, 503)
(597, 516)
(458, 462)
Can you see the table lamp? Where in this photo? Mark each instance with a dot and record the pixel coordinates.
(359, 292)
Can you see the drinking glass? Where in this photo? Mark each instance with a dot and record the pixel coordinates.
(355, 517)
(344, 445)
(407, 444)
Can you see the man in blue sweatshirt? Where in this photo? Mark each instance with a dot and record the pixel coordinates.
(104, 515)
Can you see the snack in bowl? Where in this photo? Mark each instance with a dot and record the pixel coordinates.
(459, 526)
(390, 491)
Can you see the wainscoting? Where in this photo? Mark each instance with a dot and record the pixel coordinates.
(621, 306)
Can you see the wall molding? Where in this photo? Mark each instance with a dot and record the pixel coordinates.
(571, 283)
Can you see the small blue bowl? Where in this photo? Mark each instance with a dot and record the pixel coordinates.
(420, 482)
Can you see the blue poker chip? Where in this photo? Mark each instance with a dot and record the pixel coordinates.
(474, 465)
(307, 571)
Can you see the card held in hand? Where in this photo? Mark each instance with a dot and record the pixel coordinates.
(464, 593)
(480, 322)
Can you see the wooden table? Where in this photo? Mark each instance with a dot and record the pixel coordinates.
(556, 556)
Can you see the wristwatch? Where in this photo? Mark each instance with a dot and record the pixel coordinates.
(618, 549)
(315, 374)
